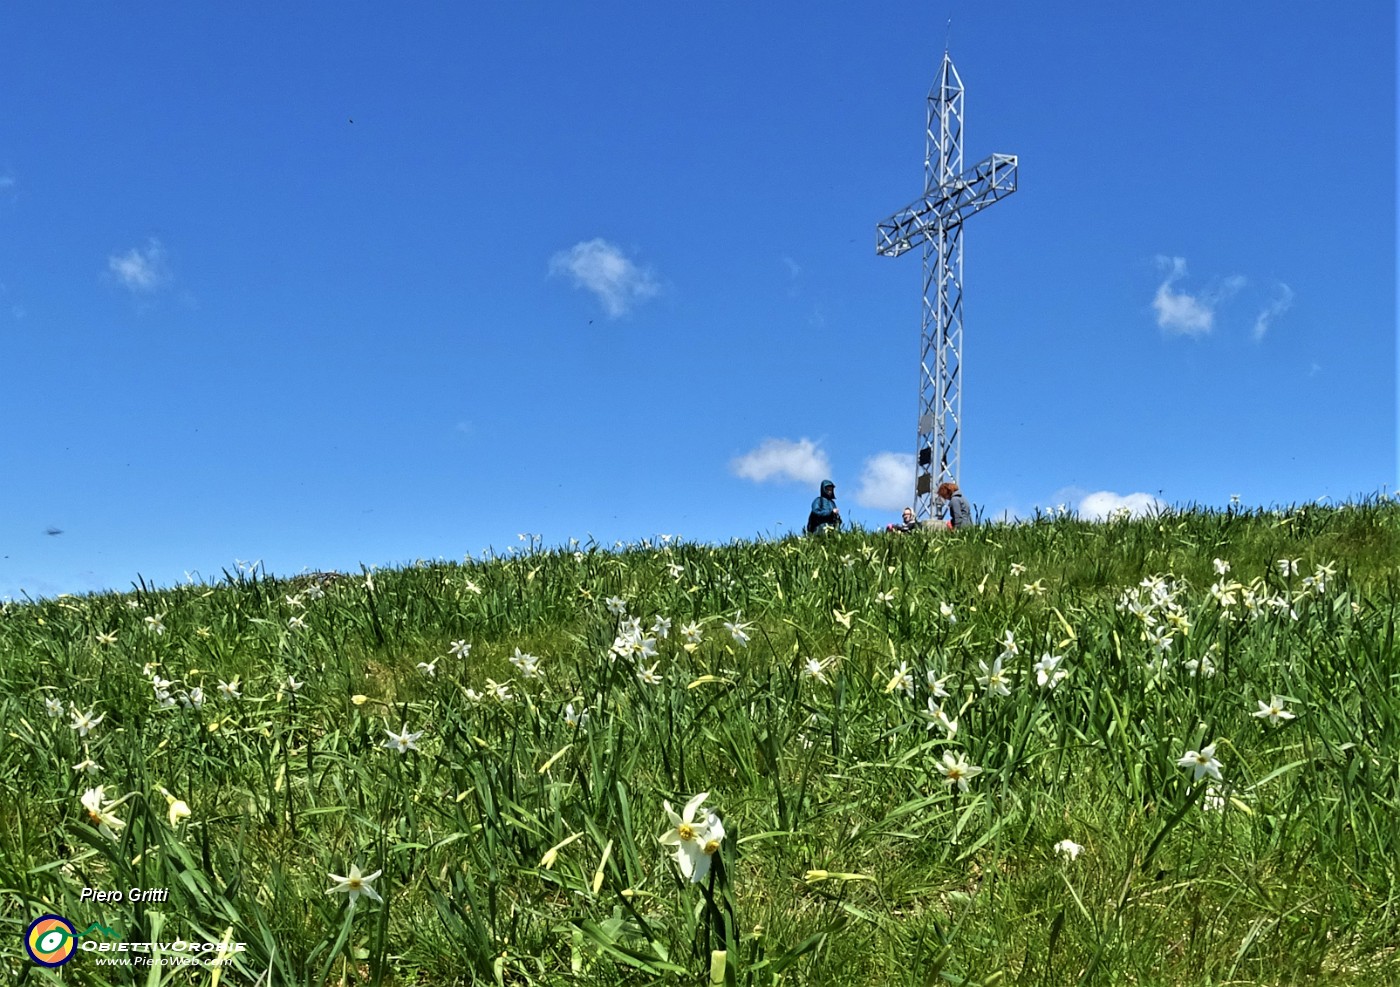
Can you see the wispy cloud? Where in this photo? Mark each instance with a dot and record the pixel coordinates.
(1101, 505)
(141, 270)
(1184, 313)
(887, 481)
(1281, 303)
(794, 272)
(783, 460)
(602, 268)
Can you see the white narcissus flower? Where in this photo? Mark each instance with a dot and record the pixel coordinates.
(296, 623)
(230, 689)
(578, 719)
(1048, 672)
(902, 679)
(89, 765)
(1017, 568)
(993, 679)
(176, 809)
(85, 723)
(100, 813)
(1273, 711)
(1221, 567)
(689, 836)
(946, 611)
(1223, 593)
(460, 649)
(709, 846)
(1288, 567)
(738, 630)
(1213, 800)
(528, 664)
(1201, 763)
(661, 627)
(402, 742)
(675, 569)
(1069, 848)
(937, 684)
(355, 884)
(1009, 647)
(1201, 667)
(154, 624)
(616, 605)
(52, 706)
(813, 669)
(938, 717)
(108, 638)
(648, 676)
(956, 771)
(428, 668)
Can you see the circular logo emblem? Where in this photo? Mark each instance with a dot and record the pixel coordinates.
(51, 940)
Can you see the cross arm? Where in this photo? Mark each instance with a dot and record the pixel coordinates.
(947, 205)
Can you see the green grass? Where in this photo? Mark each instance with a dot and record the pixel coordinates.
(517, 848)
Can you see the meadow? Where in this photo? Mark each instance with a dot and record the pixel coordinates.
(1156, 751)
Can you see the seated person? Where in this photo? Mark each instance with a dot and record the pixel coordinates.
(824, 510)
(907, 523)
(959, 510)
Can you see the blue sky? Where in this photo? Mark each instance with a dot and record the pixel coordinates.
(323, 284)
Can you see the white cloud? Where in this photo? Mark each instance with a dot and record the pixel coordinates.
(783, 460)
(604, 270)
(1186, 314)
(887, 481)
(1273, 310)
(141, 270)
(1098, 506)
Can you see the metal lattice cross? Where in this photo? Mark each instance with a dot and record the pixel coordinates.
(935, 220)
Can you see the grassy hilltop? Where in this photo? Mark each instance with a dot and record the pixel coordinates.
(1157, 751)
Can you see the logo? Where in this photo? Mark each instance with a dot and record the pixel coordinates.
(51, 940)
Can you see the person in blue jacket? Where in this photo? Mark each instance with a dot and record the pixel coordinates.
(824, 510)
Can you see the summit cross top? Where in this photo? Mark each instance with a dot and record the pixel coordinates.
(935, 221)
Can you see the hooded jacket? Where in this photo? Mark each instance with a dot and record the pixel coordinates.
(824, 508)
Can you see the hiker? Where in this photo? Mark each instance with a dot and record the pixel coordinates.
(824, 510)
(907, 523)
(959, 510)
